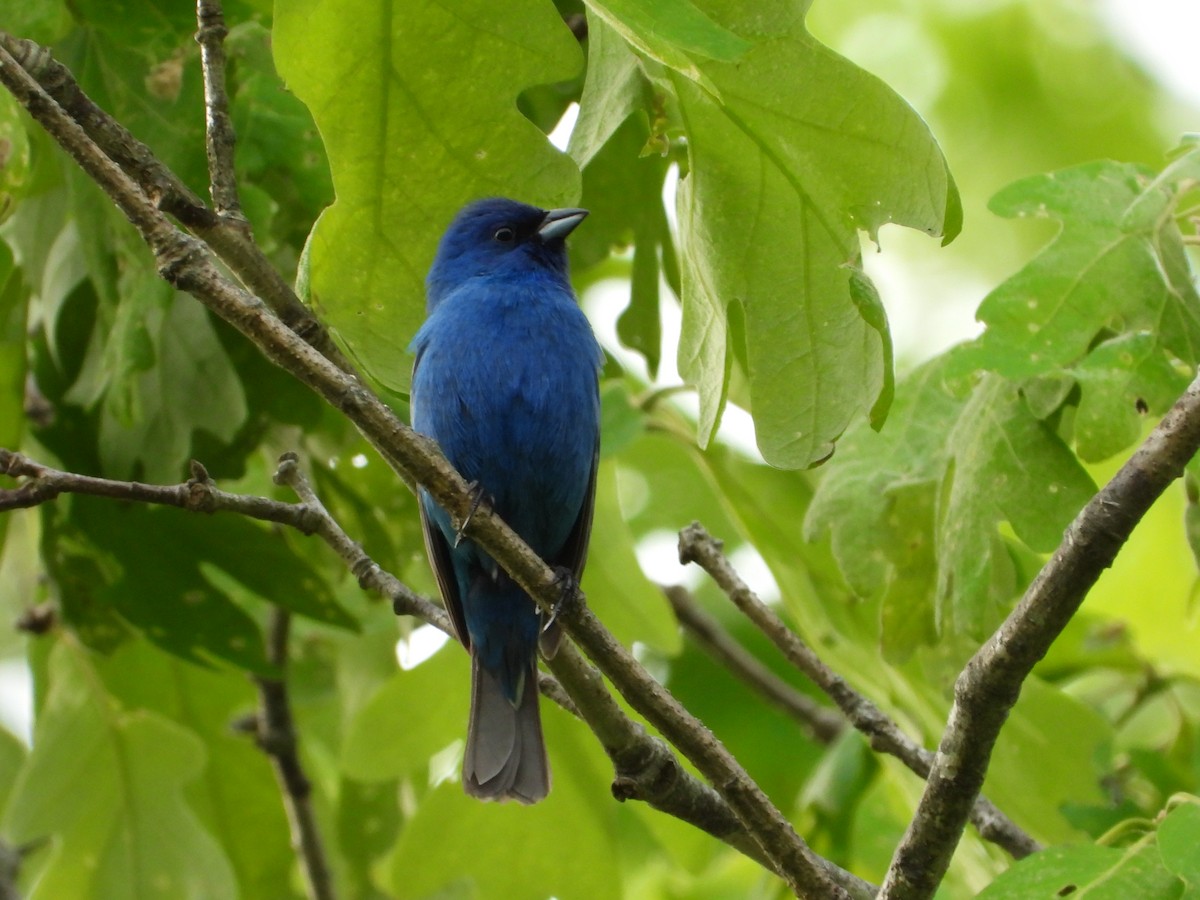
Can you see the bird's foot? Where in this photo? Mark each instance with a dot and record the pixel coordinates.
(569, 595)
(478, 495)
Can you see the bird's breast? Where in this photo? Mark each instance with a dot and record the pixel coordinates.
(510, 394)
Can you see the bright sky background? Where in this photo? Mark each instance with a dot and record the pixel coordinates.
(1159, 34)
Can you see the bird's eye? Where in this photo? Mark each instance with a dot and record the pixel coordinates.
(505, 235)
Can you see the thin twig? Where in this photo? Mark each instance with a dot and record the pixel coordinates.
(698, 546)
(819, 722)
(186, 264)
(218, 127)
(990, 684)
(276, 735)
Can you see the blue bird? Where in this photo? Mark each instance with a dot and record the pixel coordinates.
(506, 381)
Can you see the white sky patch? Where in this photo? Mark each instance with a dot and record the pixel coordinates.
(658, 555)
(748, 563)
(419, 646)
(16, 699)
(561, 134)
(1161, 36)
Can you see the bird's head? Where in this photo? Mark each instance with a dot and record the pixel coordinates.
(502, 238)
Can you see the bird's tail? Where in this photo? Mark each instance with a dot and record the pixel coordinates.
(506, 755)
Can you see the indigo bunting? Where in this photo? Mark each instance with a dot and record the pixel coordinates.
(506, 381)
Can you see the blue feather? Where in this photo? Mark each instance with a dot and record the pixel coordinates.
(506, 381)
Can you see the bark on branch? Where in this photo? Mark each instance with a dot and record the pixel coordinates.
(698, 546)
(987, 689)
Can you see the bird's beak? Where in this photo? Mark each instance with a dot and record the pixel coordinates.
(559, 223)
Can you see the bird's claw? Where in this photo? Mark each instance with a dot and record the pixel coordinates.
(567, 597)
(477, 495)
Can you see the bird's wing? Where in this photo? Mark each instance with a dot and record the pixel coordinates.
(573, 554)
(438, 551)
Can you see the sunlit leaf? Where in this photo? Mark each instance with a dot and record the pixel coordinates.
(1007, 467)
(403, 159)
(1178, 837)
(107, 785)
(631, 607)
(1103, 273)
(563, 846)
(779, 181)
(236, 797)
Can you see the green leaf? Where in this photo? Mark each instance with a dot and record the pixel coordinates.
(1098, 873)
(1178, 838)
(414, 715)
(1161, 197)
(781, 175)
(837, 784)
(173, 378)
(1006, 466)
(961, 469)
(168, 589)
(1033, 786)
(14, 154)
(367, 823)
(1122, 380)
(14, 297)
(671, 32)
(621, 423)
(12, 757)
(278, 147)
(1103, 273)
(622, 186)
(870, 307)
(158, 586)
(376, 79)
(236, 796)
(613, 90)
(130, 59)
(564, 846)
(43, 21)
(877, 500)
(630, 606)
(108, 785)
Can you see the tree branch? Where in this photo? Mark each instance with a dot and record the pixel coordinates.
(820, 723)
(698, 546)
(10, 868)
(990, 684)
(276, 734)
(187, 265)
(218, 130)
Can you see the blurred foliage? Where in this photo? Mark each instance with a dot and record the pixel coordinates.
(796, 135)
